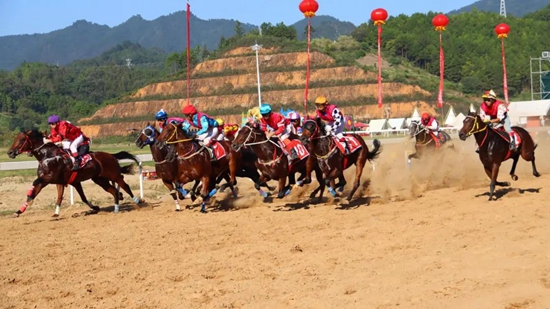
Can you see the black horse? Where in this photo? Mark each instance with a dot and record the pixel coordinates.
(425, 141)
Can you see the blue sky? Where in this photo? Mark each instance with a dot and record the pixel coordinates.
(42, 16)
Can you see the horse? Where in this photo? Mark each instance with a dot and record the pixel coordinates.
(195, 160)
(55, 167)
(166, 170)
(425, 140)
(331, 159)
(494, 148)
(272, 162)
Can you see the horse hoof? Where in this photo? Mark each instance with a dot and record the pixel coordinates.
(55, 215)
(536, 174)
(178, 210)
(514, 177)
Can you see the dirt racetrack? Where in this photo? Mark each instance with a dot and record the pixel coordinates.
(428, 239)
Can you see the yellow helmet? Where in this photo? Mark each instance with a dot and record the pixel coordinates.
(321, 100)
(219, 121)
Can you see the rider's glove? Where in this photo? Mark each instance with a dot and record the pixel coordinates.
(47, 140)
(328, 129)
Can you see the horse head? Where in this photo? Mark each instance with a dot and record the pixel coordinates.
(26, 142)
(148, 136)
(172, 134)
(311, 130)
(472, 124)
(249, 133)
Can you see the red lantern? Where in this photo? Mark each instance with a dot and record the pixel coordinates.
(379, 16)
(440, 22)
(502, 30)
(309, 7)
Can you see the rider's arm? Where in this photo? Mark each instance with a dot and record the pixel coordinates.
(185, 126)
(280, 125)
(501, 113)
(204, 124)
(434, 125)
(337, 119)
(483, 116)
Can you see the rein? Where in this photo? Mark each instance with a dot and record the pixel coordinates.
(253, 142)
(186, 155)
(476, 129)
(332, 145)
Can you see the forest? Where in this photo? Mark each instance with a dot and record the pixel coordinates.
(472, 61)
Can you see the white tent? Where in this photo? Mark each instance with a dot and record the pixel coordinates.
(415, 114)
(519, 111)
(449, 120)
(377, 125)
(459, 119)
(396, 123)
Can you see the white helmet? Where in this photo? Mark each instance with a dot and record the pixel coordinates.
(293, 116)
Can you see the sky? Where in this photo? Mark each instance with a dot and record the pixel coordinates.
(42, 16)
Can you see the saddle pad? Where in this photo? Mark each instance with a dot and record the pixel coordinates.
(300, 149)
(85, 159)
(353, 144)
(219, 151)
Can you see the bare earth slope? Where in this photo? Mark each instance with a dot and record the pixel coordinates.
(429, 239)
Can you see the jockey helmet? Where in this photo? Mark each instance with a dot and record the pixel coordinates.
(189, 110)
(219, 121)
(53, 119)
(293, 116)
(161, 115)
(321, 100)
(425, 117)
(265, 109)
(490, 94)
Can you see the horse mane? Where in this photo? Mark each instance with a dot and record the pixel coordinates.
(34, 133)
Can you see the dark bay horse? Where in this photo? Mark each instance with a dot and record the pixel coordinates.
(166, 170)
(494, 148)
(331, 160)
(273, 163)
(425, 140)
(194, 161)
(54, 167)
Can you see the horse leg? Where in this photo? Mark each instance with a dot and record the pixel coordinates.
(173, 193)
(359, 164)
(120, 181)
(37, 185)
(329, 182)
(321, 188)
(204, 192)
(78, 187)
(60, 191)
(341, 183)
(257, 183)
(106, 185)
(494, 175)
(530, 156)
(282, 183)
(515, 159)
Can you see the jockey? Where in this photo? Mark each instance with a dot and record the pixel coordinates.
(208, 126)
(70, 135)
(431, 124)
(282, 128)
(495, 111)
(295, 120)
(331, 113)
(162, 119)
(221, 129)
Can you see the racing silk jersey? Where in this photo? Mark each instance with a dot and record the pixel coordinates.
(201, 121)
(432, 124)
(496, 110)
(276, 121)
(332, 115)
(65, 130)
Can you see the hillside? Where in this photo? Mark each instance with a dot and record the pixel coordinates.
(84, 39)
(227, 94)
(516, 8)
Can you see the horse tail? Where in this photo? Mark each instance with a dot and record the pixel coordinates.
(128, 169)
(124, 155)
(373, 154)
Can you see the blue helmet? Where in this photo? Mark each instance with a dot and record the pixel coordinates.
(265, 109)
(161, 115)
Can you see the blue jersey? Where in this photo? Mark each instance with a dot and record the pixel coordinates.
(201, 121)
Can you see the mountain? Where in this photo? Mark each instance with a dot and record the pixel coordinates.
(84, 39)
(516, 8)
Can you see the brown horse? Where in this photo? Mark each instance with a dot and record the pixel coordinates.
(272, 162)
(332, 161)
(425, 140)
(195, 161)
(494, 148)
(54, 167)
(166, 170)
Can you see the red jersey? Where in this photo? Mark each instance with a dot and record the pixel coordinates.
(493, 110)
(277, 121)
(65, 130)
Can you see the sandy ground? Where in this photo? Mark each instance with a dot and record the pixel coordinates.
(428, 239)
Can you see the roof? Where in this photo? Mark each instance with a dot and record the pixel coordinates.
(376, 125)
(396, 123)
(449, 120)
(522, 109)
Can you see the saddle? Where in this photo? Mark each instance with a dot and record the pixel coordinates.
(506, 136)
(215, 150)
(347, 145)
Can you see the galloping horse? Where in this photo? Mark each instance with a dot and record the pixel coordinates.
(54, 167)
(273, 163)
(494, 148)
(166, 170)
(332, 161)
(425, 140)
(196, 163)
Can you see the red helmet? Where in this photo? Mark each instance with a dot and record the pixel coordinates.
(425, 116)
(189, 110)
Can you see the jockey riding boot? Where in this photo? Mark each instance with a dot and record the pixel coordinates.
(76, 163)
(512, 143)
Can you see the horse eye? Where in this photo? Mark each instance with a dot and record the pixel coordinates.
(148, 132)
